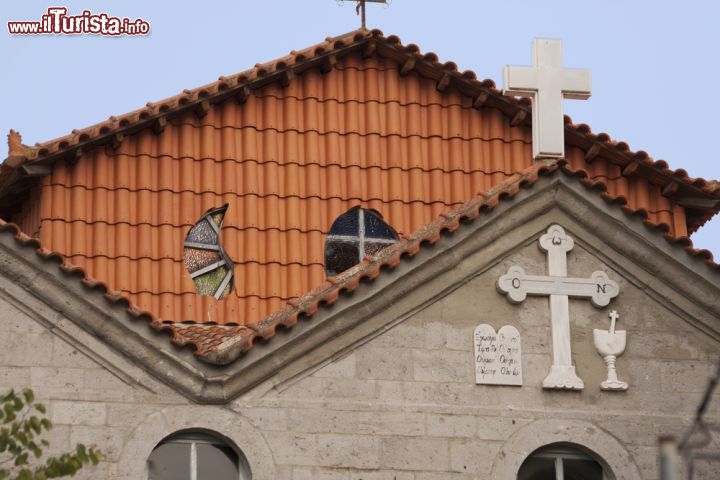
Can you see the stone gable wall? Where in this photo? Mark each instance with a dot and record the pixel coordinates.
(403, 405)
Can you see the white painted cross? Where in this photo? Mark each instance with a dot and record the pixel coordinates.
(547, 82)
(559, 287)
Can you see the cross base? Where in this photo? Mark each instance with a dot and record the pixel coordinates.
(614, 385)
(563, 377)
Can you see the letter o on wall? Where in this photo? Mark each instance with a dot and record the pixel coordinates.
(543, 432)
(152, 429)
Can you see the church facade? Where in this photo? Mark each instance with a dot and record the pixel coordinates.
(347, 264)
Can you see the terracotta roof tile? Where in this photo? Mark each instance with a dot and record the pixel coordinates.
(289, 146)
(287, 169)
(221, 347)
(282, 70)
(221, 344)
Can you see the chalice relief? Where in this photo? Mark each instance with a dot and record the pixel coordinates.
(610, 344)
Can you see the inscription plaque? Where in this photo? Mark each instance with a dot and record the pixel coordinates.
(497, 355)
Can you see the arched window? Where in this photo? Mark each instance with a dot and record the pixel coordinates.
(562, 461)
(205, 260)
(196, 455)
(354, 234)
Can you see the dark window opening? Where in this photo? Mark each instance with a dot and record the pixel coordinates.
(562, 462)
(355, 234)
(196, 455)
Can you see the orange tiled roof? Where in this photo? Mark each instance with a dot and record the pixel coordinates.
(221, 344)
(290, 145)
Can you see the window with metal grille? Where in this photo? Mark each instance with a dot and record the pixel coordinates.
(205, 260)
(562, 462)
(354, 234)
(196, 455)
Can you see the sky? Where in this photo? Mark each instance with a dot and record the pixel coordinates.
(649, 60)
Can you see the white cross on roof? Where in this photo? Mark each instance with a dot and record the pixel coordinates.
(547, 82)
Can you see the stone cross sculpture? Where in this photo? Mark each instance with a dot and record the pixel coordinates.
(547, 82)
(610, 344)
(559, 287)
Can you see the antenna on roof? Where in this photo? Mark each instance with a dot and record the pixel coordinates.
(360, 8)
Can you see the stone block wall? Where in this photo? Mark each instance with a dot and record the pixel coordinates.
(401, 406)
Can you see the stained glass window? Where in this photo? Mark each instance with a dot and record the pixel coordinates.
(205, 260)
(354, 234)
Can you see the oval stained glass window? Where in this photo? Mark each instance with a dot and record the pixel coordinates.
(210, 268)
(354, 234)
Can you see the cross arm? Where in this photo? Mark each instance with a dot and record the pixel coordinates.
(517, 286)
(520, 80)
(576, 83)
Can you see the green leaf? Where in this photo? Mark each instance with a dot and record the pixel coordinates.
(21, 459)
(20, 438)
(35, 424)
(9, 409)
(25, 474)
(81, 453)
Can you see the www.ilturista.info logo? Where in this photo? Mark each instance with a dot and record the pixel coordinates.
(57, 21)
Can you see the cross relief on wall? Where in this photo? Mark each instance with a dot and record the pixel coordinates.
(598, 288)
